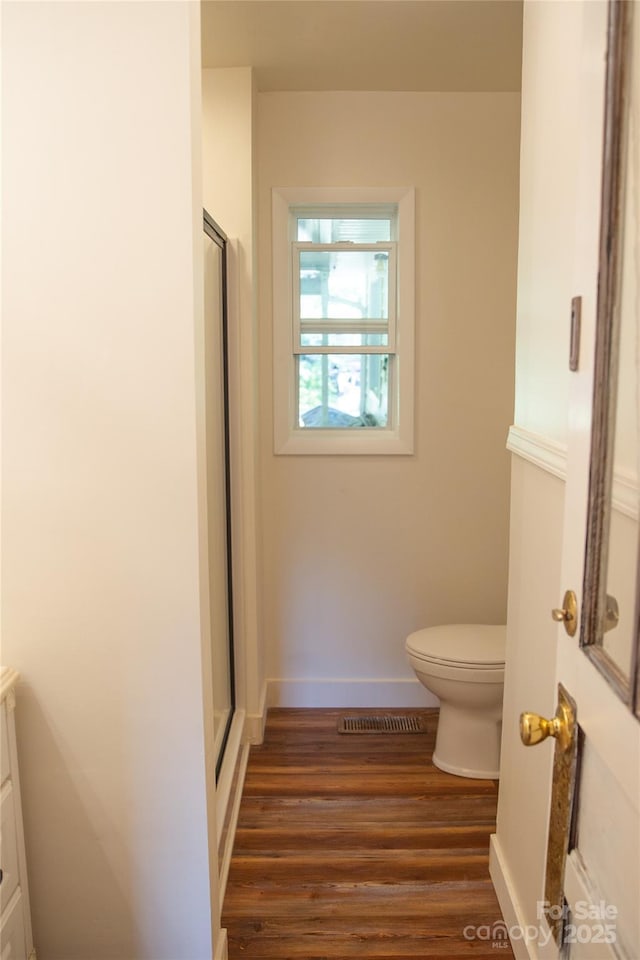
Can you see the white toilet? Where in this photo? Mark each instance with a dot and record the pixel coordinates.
(463, 664)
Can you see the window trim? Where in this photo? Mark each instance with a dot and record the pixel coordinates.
(399, 437)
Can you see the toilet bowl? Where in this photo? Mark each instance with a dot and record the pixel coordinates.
(463, 664)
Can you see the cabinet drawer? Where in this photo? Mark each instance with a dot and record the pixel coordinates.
(5, 762)
(13, 943)
(8, 847)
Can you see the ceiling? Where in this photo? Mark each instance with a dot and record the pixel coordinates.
(444, 45)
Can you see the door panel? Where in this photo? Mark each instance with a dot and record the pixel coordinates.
(607, 853)
(602, 881)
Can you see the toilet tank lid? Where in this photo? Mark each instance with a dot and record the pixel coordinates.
(460, 643)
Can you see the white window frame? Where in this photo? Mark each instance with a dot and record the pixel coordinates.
(288, 437)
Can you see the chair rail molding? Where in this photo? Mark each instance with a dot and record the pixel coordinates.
(548, 454)
(551, 455)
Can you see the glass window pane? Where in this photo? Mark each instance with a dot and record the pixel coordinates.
(343, 390)
(334, 230)
(344, 284)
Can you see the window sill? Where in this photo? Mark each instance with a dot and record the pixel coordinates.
(343, 442)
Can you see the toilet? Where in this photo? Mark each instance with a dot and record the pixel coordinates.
(463, 665)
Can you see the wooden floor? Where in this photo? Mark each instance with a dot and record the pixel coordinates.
(357, 846)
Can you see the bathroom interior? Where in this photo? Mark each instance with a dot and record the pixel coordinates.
(185, 567)
(357, 551)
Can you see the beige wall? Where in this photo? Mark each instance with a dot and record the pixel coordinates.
(359, 551)
(101, 606)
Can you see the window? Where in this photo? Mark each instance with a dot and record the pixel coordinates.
(343, 320)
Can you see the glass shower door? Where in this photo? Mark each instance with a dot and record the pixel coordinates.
(218, 482)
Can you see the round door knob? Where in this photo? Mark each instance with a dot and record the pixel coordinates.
(534, 728)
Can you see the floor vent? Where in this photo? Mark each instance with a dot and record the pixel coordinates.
(389, 723)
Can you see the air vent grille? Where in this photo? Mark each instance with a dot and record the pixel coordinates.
(383, 723)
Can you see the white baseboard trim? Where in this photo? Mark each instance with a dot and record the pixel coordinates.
(506, 895)
(234, 812)
(228, 796)
(527, 941)
(227, 779)
(348, 693)
(255, 722)
(222, 948)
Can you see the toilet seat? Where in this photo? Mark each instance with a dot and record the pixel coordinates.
(465, 646)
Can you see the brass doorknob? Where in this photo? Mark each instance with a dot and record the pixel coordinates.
(534, 728)
(568, 613)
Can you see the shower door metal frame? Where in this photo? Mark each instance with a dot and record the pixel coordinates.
(218, 236)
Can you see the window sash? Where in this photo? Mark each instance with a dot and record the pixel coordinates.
(345, 325)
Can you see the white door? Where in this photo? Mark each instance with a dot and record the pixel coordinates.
(602, 867)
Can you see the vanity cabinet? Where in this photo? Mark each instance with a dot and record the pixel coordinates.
(16, 940)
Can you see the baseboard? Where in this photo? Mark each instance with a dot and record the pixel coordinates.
(506, 896)
(229, 794)
(222, 948)
(348, 693)
(224, 861)
(529, 942)
(255, 722)
(227, 780)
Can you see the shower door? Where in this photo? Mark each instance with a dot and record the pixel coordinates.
(218, 482)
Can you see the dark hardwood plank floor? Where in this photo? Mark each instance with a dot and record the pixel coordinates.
(355, 845)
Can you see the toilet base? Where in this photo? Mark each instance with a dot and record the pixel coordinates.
(472, 773)
(468, 745)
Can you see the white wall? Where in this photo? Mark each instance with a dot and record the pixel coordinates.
(229, 183)
(550, 128)
(360, 551)
(227, 149)
(101, 607)
(520, 847)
